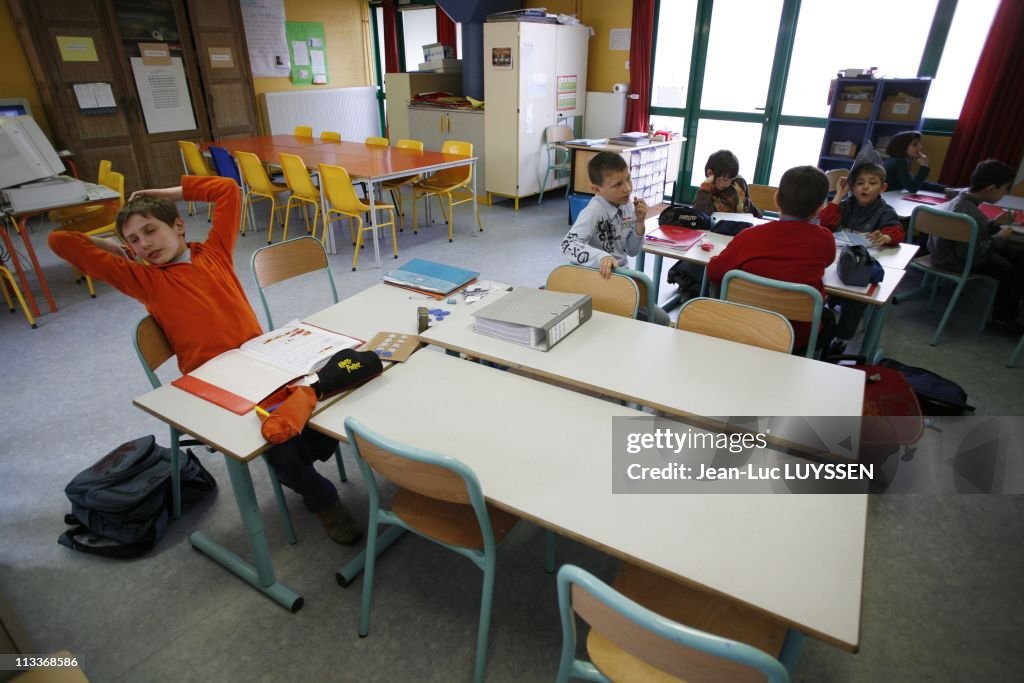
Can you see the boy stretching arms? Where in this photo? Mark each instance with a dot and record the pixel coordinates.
(792, 248)
(994, 253)
(193, 293)
(858, 206)
(610, 227)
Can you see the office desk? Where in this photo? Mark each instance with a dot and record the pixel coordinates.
(370, 163)
(545, 454)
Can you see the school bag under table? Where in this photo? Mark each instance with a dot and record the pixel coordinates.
(120, 506)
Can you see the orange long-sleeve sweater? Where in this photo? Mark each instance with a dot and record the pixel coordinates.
(200, 305)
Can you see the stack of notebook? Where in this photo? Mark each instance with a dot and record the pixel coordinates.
(429, 277)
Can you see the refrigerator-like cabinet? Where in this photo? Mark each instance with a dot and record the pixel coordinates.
(535, 76)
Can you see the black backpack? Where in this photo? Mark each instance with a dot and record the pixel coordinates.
(685, 216)
(120, 506)
(936, 394)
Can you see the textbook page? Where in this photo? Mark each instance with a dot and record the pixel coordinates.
(297, 347)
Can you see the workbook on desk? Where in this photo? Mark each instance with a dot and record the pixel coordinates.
(430, 277)
(240, 378)
(537, 318)
(675, 236)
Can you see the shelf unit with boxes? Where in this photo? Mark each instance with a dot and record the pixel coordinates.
(650, 168)
(864, 109)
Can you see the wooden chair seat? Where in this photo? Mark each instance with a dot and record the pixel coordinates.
(619, 665)
(451, 523)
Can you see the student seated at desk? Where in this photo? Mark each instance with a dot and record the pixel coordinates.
(994, 253)
(903, 150)
(858, 206)
(609, 227)
(193, 293)
(791, 249)
(724, 189)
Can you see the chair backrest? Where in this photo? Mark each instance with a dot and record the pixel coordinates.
(194, 160)
(736, 322)
(303, 131)
(254, 173)
(152, 347)
(224, 163)
(104, 168)
(410, 144)
(558, 133)
(681, 651)
(949, 225)
(341, 195)
(430, 474)
(648, 298)
(764, 197)
(377, 141)
(618, 295)
(799, 302)
(285, 260)
(296, 177)
(115, 181)
(330, 136)
(833, 177)
(460, 175)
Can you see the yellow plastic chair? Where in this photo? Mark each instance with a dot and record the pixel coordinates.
(260, 187)
(377, 141)
(8, 278)
(736, 322)
(195, 164)
(304, 193)
(303, 131)
(394, 186)
(101, 223)
(343, 201)
(450, 183)
(330, 136)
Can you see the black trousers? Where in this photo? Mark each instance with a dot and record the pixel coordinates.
(1005, 263)
(293, 460)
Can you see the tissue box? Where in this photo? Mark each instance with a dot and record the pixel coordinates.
(436, 51)
(901, 109)
(841, 148)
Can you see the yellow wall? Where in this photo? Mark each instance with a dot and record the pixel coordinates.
(347, 31)
(15, 77)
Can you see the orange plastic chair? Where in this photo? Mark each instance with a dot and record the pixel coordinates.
(344, 202)
(394, 186)
(259, 185)
(296, 176)
(303, 131)
(195, 164)
(450, 183)
(330, 136)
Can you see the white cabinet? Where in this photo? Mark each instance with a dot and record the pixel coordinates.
(535, 76)
(433, 126)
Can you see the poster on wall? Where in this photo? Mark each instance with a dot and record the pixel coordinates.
(567, 92)
(264, 32)
(308, 45)
(501, 58)
(163, 92)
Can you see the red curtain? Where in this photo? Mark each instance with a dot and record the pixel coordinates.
(390, 38)
(989, 126)
(445, 30)
(640, 65)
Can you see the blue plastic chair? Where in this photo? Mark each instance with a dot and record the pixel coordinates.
(645, 645)
(224, 164)
(439, 499)
(802, 303)
(956, 227)
(154, 350)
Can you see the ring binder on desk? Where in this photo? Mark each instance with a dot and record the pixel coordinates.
(537, 318)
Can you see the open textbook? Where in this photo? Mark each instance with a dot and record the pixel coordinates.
(240, 378)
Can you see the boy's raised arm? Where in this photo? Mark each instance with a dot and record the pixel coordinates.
(224, 194)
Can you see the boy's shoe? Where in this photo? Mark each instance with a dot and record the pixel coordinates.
(1008, 326)
(340, 525)
(837, 348)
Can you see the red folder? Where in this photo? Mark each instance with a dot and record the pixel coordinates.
(925, 199)
(675, 236)
(991, 211)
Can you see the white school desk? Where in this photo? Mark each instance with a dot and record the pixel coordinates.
(545, 454)
(905, 207)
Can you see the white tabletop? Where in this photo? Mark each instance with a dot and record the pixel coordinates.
(545, 453)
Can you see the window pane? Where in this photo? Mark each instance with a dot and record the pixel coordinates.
(829, 37)
(741, 47)
(741, 138)
(967, 36)
(419, 29)
(380, 42)
(795, 146)
(672, 54)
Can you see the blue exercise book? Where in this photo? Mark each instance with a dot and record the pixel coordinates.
(430, 276)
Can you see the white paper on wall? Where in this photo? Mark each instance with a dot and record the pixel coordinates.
(264, 33)
(163, 92)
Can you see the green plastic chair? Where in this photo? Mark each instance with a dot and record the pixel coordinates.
(439, 499)
(559, 157)
(652, 643)
(956, 227)
(648, 295)
(799, 302)
(154, 350)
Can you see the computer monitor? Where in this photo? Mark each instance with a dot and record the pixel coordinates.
(26, 153)
(15, 106)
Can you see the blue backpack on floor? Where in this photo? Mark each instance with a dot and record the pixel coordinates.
(120, 506)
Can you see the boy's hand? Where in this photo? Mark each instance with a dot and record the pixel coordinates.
(640, 206)
(1004, 219)
(607, 265)
(842, 187)
(1005, 233)
(878, 239)
(173, 194)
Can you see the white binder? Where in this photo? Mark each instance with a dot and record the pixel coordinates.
(536, 318)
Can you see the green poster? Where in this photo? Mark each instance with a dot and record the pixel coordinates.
(308, 50)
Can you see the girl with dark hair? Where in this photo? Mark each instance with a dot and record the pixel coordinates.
(904, 149)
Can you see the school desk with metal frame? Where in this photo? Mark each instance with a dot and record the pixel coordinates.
(905, 207)
(543, 453)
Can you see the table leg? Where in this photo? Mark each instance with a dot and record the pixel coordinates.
(658, 261)
(476, 204)
(23, 225)
(354, 567)
(373, 221)
(261, 576)
(18, 269)
(873, 331)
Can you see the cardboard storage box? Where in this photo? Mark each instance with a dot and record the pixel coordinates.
(843, 148)
(900, 109)
(854, 109)
(442, 66)
(437, 51)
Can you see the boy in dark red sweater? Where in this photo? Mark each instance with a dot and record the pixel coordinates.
(191, 289)
(792, 248)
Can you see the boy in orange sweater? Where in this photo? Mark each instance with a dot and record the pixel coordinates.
(191, 289)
